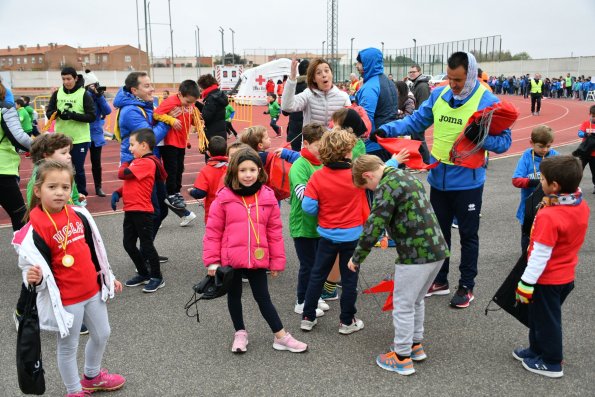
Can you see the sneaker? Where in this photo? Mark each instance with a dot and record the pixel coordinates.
(187, 219)
(538, 366)
(418, 353)
(83, 393)
(454, 225)
(153, 285)
(521, 354)
(307, 325)
(438, 289)
(322, 305)
(462, 297)
(137, 280)
(299, 309)
(355, 326)
(174, 202)
(163, 259)
(240, 342)
(84, 330)
(17, 319)
(391, 362)
(99, 192)
(103, 382)
(288, 342)
(327, 296)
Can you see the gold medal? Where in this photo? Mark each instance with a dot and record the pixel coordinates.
(259, 253)
(67, 260)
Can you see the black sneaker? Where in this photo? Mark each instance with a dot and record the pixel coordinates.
(462, 297)
(84, 330)
(137, 280)
(154, 284)
(163, 259)
(174, 202)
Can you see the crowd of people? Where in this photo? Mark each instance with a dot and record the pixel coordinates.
(570, 87)
(347, 192)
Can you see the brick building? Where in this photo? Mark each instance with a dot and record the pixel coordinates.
(113, 57)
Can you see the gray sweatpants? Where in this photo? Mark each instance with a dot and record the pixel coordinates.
(411, 285)
(93, 312)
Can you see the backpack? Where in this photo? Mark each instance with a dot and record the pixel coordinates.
(8, 134)
(117, 133)
(278, 170)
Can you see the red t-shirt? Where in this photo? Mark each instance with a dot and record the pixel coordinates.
(78, 282)
(340, 203)
(563, 227)
(589, 128)
(136, 192)
(210, 180)
(176, 138)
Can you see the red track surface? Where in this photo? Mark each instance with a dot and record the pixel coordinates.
(564, 116)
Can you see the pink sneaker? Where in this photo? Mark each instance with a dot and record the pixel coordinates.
(103, 382)
(240, 342)
(83, 393)
(288, 342)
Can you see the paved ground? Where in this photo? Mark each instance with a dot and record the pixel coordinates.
(164, 353)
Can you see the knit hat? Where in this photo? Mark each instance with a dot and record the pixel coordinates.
(355, 122)
(303, 67)
(90, 78)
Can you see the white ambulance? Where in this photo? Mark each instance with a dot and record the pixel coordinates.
(228, 76)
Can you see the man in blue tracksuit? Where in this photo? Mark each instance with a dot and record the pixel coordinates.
(456, 191)
(378, 95)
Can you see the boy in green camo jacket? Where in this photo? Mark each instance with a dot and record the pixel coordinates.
(402, 208)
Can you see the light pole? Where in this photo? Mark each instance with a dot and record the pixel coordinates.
(222, 46)
(150, 39)
(197, 37)
(233, 54)
(171, 38)
(382, 42)
(351, 65)
(323, 43)
(415, 51)
(146, 33)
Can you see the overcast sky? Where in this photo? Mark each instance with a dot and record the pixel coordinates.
(543, 28)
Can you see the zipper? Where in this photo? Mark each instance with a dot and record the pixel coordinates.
(249, 242)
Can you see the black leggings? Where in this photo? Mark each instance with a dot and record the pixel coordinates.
(12, 201)
(96, 164)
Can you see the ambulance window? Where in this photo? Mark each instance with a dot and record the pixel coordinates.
(234, 74)
(225, 74)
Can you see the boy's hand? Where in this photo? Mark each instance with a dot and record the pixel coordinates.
(524, 292)
(115, 199)
(177, 125)
(402, 156)
(277, 152)
(352, 266)
(117, 286)
(175, 112)
(82, 197)
(34, 275)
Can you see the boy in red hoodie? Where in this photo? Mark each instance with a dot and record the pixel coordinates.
(210, 178)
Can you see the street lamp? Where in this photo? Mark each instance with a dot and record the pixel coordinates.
(351, 65)
(323, 43)
(197, 52)
(233, 54)
(222, 46)
(415, 51)
(382, 42)
(171, 37)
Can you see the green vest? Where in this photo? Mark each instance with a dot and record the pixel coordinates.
(25, 120)
(568, 81)
(78, 131)
(536, 86)
(449, 122)
(9, 158)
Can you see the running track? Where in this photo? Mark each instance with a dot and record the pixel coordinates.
(564, 116)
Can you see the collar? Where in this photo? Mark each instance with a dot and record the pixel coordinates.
(563, 199)
(344, 164)
(248, 190)
(208, 90)
(305, 153)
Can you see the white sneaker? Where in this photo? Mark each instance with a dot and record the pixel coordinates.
(355, 326)
(187, 219)
(307, 325)
(299, 309)
(322, 305)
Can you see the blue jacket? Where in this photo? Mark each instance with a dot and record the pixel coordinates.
(132, 118)
(378, 95)
(448, 177)
(102, 109)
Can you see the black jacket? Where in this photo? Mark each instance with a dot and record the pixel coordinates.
(296, 119)
(88, 104)
(420, 90)
(213, 113)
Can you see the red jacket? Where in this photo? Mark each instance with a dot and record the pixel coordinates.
(270, 86)
(210, 180)
(176, 138)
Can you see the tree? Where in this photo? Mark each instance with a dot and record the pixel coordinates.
(232, 58)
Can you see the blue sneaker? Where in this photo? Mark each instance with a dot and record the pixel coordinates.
(521, 354)
(154, 284)
(326, 296)
(418, 353)
(137, 280)
(391, 362)
(538, 366)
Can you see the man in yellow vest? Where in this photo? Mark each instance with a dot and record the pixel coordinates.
(568, 85)
(536, 90)
(456, 191)
(75, 110)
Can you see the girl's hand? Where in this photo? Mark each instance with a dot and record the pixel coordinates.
(402, 156)
(274, 273)
(117, 286)
(34, 275)
(277, 152)
(212, 269)
(294, 68)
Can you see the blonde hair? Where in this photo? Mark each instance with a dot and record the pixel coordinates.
(339, 116)
(335, 145)
(364, 163)
(231, 176)
(254, 135)
(542, 134)
(43, 169)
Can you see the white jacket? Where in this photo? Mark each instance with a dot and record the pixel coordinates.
(318, 106)
(52, 316)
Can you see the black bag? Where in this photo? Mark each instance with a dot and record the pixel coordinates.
(29, 365)
(210, 287)
(505, 297)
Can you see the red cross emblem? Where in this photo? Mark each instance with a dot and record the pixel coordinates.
(260, 80)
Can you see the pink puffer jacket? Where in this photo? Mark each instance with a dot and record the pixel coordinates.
(229, 239)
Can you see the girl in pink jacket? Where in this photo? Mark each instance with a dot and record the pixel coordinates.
(244, 231)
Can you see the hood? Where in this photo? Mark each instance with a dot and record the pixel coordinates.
(371, 59)
(219, 97)
(301, 79)
(421, 78)
(125, 98)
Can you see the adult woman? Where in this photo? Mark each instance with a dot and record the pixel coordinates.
(212, 107)
(406, 104)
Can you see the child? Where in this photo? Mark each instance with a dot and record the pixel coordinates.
(302, 226)
(349, 118)
(229, 115)
(24, 116)
(210, 178)
(139, 179)
(341, 211)
(61, 253)
(274, 110)
(526, 175)
(558, 232)
(244, 231)
(32, 114)
(258, 139)
(585, 131)
(402, 208)
(173, 150)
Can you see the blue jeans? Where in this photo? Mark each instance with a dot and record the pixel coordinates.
(275, 127)
(325, 258)
(465, 205)
(305, 248)
(78, 155)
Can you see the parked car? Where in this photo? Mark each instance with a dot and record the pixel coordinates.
(437, 79)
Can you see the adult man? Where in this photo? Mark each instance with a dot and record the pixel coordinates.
(455, 191)
(536, 90)
(568, 81)
(75, 110)
(421, 91)
(354, 85)
(378, 95)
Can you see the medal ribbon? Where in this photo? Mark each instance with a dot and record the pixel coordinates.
(64, 243)
(254, 230)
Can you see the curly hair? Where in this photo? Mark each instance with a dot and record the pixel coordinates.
(254, 135)
(206, 80)
(335, 145)
(46, 144)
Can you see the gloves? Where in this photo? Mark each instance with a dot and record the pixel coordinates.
(379, 132)
(524, 292)
(265, 112)
(66, 115)
(472, 132)
(115, 199)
